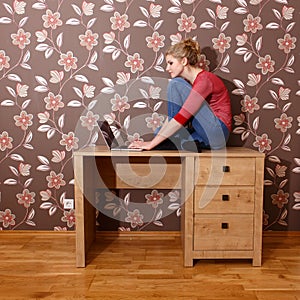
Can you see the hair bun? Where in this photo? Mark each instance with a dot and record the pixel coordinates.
(188, 48)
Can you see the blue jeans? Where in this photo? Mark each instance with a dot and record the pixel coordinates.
(205, 126)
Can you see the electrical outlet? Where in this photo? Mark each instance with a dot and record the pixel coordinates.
(68, 203)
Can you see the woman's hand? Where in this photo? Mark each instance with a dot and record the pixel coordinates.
(141, 145)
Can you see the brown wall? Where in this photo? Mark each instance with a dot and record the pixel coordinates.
(42, 97)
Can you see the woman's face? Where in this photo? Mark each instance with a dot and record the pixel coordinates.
(174, 66)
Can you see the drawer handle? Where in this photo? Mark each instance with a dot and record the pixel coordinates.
(225, 197)
(225, 225)
(226, 169)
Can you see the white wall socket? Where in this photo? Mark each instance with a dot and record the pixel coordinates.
(68, 203)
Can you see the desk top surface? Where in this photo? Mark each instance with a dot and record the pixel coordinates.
(229, 151)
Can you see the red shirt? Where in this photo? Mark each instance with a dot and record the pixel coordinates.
(207, 86)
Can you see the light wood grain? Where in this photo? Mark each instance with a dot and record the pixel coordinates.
(229, 227)
(226, 169)
(211, 170)
(238, 199)
(146, 175)
(41, 265)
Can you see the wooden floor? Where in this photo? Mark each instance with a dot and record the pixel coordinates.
(37, 265)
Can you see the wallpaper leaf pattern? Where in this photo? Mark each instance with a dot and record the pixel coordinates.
(58, 56)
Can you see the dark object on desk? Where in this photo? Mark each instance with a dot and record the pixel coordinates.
(109, 138)
(193, 146)
(175, 144)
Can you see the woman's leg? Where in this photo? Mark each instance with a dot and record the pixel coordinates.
(207, 128)
(178, 91)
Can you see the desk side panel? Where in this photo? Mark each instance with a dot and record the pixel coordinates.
(79, 211)
(187, 210)
(258, 212)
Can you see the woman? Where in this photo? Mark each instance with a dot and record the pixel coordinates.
(196, 98)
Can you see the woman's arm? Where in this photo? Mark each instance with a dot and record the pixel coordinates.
(202, 87)
(167, 130)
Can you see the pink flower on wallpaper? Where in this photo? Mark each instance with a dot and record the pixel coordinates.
(41, 35)
(43, 117)
(241, 39)
(7, 218)
(186, 23)
(89, 39)
(263, 143)
(55, 181)
(53, 102)
(287, 12)
(155, 10)
(26, 198)
(109, 37)
(239, 119)
(123, 78)
(155, 198)
(283, 123)
(70, 141)
(175, 38)
(19, 7)
(154, 121)
(135, 63)
(68, 61)
(88, 90)
(89, 121)
(24, 169)
(87, 8)
(156, 41)
(221, 43)
(280, 198)
(69, 217)
(252, 24)
(51, 19)
(21, 38)
(23, 120)
(280, 170)
(135, 218)
(154, 92)
(119, 22)
(266, 64)
(287, 43)
(22, 89)
(221, 12)
(249, 104)
(284, 93)
(204, 63)
(4, 60)
(119, 103)
(5, 141)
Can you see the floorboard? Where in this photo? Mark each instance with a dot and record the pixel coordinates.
(38, 265)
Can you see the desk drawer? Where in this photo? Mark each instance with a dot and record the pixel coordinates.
(223, 232)
(225, 171)
(226, 199)
(141, 175)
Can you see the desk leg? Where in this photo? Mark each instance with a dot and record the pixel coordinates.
(187, 210)
(259, 184)
(85, 212)
(79, 211)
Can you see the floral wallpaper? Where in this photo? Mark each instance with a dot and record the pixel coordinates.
(66, 64)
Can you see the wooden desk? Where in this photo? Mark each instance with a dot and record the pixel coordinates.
(221, 194)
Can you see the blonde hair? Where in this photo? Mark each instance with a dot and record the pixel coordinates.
(186, 48)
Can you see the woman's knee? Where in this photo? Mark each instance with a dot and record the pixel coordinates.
(179, 83)
(178, 90)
